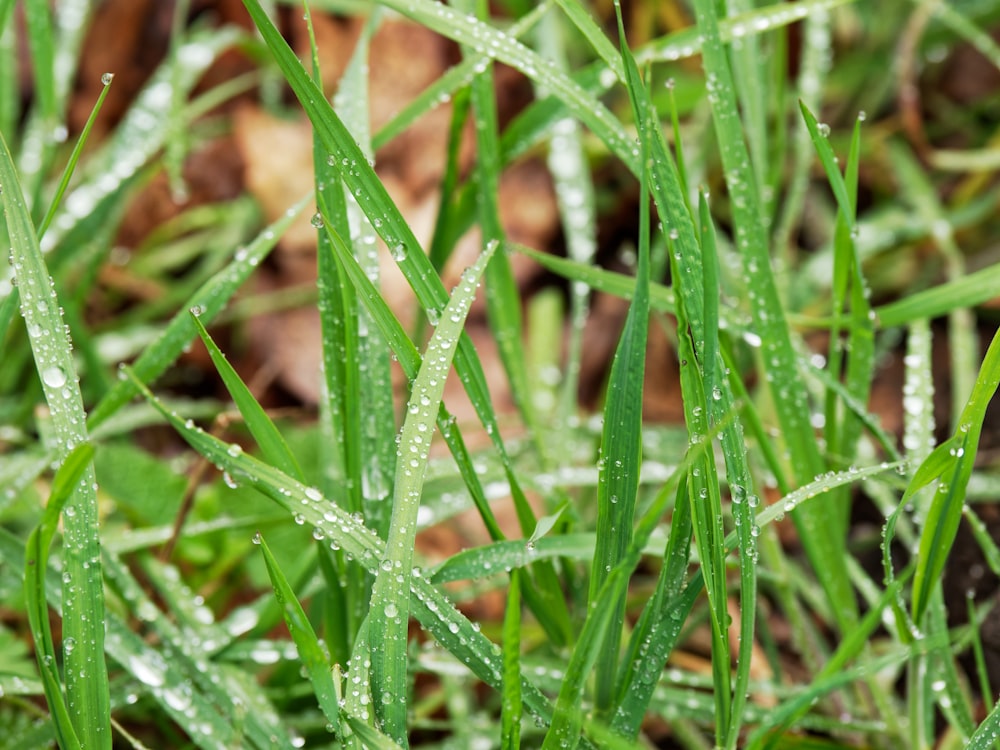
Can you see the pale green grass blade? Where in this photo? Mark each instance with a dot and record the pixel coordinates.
(951, 464)
(310, 652)
(83, 613)
(37, 562)
(210, 298)
(434, 611)
(621, 439)
(987, 733)
(966, 291)
(390, 603)
(410, 360)
(825, 551)
(370, 737)
(574, 190)
(510, 707)
(272, 444)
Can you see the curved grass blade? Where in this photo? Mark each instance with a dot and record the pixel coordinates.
(272, 445)
(390, 603)
(431, 607)
(36, 566)
(83, 613)
(210, 298)
(310, 652)
(393, 228)
(951, 464)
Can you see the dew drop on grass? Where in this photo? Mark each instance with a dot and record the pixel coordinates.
(399, 253)
(107, 78)
(317, 220)
(54, 376)
(391, 610)
(823, 129)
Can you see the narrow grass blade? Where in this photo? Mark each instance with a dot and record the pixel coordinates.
(390, 604)
(951, 464)
(310, 652)
(434, 611)
(141, 133)
(392, 227)
(210, 298)
(272, 445)
(510, 707)
(580, 18)
(37, 557)
(83, 614)
(75, 156)
(825, 550)
(967, 291)
(621, 440)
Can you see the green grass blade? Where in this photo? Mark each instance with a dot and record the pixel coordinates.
(392, 227)
(272, 445)
(951, 463)
(967, 291)
(74, 157)
(511, 708)
(310, 652)
(210, 298)
(580, 18)
(621, 440)
(390, 604)
(83, 614)
(36, 566)
(433, 610)
(825, 551)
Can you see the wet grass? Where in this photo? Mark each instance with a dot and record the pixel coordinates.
(703, 584)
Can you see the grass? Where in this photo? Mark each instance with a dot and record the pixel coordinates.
(708, 583)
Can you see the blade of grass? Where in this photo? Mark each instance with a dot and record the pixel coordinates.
(272, 445)
(36, 565)
(621, 439)
(510, 708)
(951, 464)
(310, 651)
(825, 551)
(432, 609)
(83, 614)
(371, 195)
(966, 291)
(390, 603)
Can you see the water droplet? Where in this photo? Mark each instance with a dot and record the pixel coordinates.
(257, 538)
(399, 253)
(107, 78)
(823, 129)
(391, 610)
(317, 220)
(54, 376)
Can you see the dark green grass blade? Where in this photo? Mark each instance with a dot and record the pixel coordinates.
(310, 651)
(83, 614)
(621, 440)
(36, 566)
(510, 707)
(825, 551)
(951, 464)
(390, 602)
(272, 444)
(371, 195)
